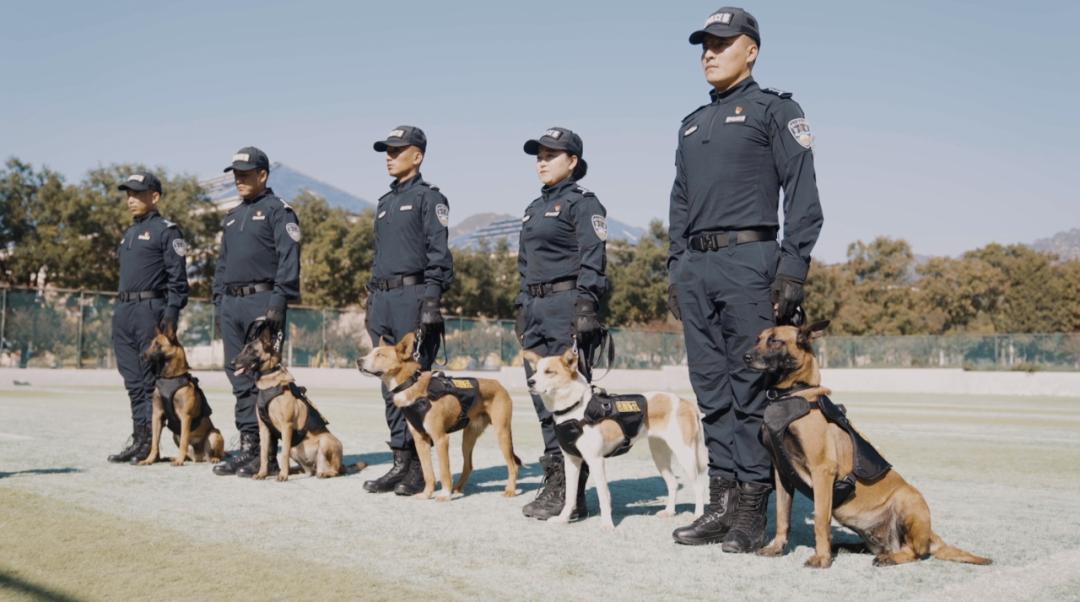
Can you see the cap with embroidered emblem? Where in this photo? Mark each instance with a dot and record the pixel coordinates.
(728, 22)
(403, 135)
(141, 181)
(561, 139)
(248, 159)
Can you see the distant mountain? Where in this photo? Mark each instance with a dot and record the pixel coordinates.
(1066, 245)
(288, 184)
(492, 226)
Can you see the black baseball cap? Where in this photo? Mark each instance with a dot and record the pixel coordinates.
(403, 135)
(561, 139)
(249, 158)
(142, 181)
(728, 22)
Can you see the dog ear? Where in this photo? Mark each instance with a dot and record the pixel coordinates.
(817, 329)
(532, 357)
(569, 357)
(170, 332)
(405, 346)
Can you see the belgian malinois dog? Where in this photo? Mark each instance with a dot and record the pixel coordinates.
(398, 368)
(890, 515)
(180, 403)
(285, 412)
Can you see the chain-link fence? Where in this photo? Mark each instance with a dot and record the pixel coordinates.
(73, 329)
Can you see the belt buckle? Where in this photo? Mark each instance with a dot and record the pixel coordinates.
(384, 285)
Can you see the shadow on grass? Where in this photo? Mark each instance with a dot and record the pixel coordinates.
(497, 474)
(34, 591)
(38, 471)
(369, 459)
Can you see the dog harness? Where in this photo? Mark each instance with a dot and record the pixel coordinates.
(465, 390)
(628, 411)
(167, 388)
(785, 408)
(315, 421)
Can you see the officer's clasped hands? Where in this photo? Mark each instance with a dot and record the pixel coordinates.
(585, 320)
(787, 295)
(430, 314)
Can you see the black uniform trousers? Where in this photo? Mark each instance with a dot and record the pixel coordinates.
(133, 328)
(391, 315)
(725, 303)
(237, 314)
(549, 330)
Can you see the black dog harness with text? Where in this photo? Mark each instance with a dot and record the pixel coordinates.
(465, 390)
(314, 423)
(628, 411)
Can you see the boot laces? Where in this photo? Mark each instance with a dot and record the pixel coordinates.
(749, 507)
(553, 479)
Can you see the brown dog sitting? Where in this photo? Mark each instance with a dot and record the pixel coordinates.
(435, 406)
(180, 403)
(815, 448)
(286, 413)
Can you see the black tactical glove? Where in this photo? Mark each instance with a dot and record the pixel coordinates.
(430, 315)
(275, 319)
(585, 320)
(787, 295)
(169, 319)
(519, 323)
(217, 321)
(673, 302)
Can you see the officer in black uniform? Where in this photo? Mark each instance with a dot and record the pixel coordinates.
(413, 268)
(730, 279)
(153, 289)
(258, 274)
(562, 260)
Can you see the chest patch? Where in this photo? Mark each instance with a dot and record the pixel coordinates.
(230, 222)
(145, 235)
(293, 230)
(180, 247)
(735, 119)
(599, 225)
(442, 212)
(405, 208)
(259, 215)
(800, 131)
(690, 130)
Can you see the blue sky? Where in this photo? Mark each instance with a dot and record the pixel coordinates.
(950, 124)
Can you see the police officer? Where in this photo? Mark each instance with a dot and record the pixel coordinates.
(257, 275)
(562, 259)
(413, 268)
(153, 289)
(730, 279)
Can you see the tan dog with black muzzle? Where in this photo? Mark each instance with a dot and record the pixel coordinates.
(411, 387)
(890, 515)
(285, 412)
(180, 403)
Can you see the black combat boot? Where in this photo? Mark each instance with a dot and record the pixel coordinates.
(388, 481)
(249, 448)
(714, 524)
(252, 467)
(413, 481)
(140, 436)
(549, 502)
(747, 532)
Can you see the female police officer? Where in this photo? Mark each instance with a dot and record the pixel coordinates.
(561, 259)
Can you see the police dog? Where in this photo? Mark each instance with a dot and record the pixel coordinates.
(319, 452)
(188, 404)
(395, 365)
(672, 426)
(891, 515)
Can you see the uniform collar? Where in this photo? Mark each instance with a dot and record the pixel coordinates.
(406, 185)
(736, 90)
(269, 191)
(557, 189)
(146, 216)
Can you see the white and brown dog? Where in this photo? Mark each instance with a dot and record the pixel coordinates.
(672, 426)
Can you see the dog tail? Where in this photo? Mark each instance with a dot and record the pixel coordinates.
(944, 551)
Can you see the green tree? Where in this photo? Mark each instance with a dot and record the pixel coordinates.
(337, 254)
(639, 280)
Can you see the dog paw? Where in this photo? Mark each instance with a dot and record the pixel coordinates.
(260, 476)
(559, 520)
(177, 462)
(283, 476)
(607, 525)
(772, 550)
(665, 513)
(423, 495)
(146, 462)
(509, 492)
(884, 560)
(819, 562)
(442, 497)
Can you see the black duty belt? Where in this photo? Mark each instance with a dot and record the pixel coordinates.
(389, 284)
(546, 288)
(141, 295)
(243, 290)
(713, 241)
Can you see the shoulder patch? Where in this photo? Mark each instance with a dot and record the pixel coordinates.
(692, 113)
(442, 212)
(599, 225)
(777, 92)
(180, 246)
(293, 230)
(800, 131)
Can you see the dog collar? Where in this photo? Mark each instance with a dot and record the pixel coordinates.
(773, 394)
(567, 410)
(408, 383)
